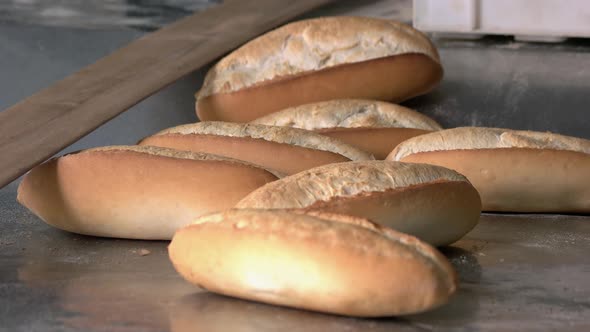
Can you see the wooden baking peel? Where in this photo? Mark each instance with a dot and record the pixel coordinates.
(43, 124)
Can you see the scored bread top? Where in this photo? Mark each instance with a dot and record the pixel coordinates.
(276, 222)
(172, 153)
(467, 138)
(401, 238)
(349, 113)
(283, 135)
(311, 45)
(344, 180)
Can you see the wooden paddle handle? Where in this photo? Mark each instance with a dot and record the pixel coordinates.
(48, 121)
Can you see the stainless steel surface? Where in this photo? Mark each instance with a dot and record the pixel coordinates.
(517, 272)
(499, 82)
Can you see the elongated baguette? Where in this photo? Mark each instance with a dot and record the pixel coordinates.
(513, 170)
(135, 192)
(370, 125)
(319, 59)
(323, 262)
(435, 204)
(286, 150)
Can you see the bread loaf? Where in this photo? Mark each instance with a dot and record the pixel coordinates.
(319, 59)
(286, 150)
(435, 204)
(323, 262)
(513, 170)
(135, 192)
(373, 126)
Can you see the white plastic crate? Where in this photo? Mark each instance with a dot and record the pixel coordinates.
(542, 20)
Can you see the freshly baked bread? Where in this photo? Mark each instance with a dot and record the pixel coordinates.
(319, 59)
(287, 150)
(435, 204)
(373, 126)
(322, 262)
(135, 192)
(513, 170)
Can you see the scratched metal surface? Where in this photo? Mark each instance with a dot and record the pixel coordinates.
(517, 272)
(499, 82)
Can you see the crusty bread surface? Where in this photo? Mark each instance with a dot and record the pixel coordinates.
(311, 45)
(435, 204)
(349, 113)
(473, 138)
(286, 150)
(514, 171)
(321, 262)
(316, 60)
(135, 192)
(370, 125)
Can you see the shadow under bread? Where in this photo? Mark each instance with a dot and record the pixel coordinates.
(88, 282)
(211, 312)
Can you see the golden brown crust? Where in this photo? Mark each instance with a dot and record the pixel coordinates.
(514, 170)
(438, 213)
(344, 180)
(394, 78)
(135, 192)
(434, 204)
(471, 138)
(377, 141)
(161, 152)
(349, 113)
(283, 159)
(312, 261)
(285, 150)
(521, 179)
(423, 248)
(164, 151)
(281, 135)
(373, 126)
(312, 45)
